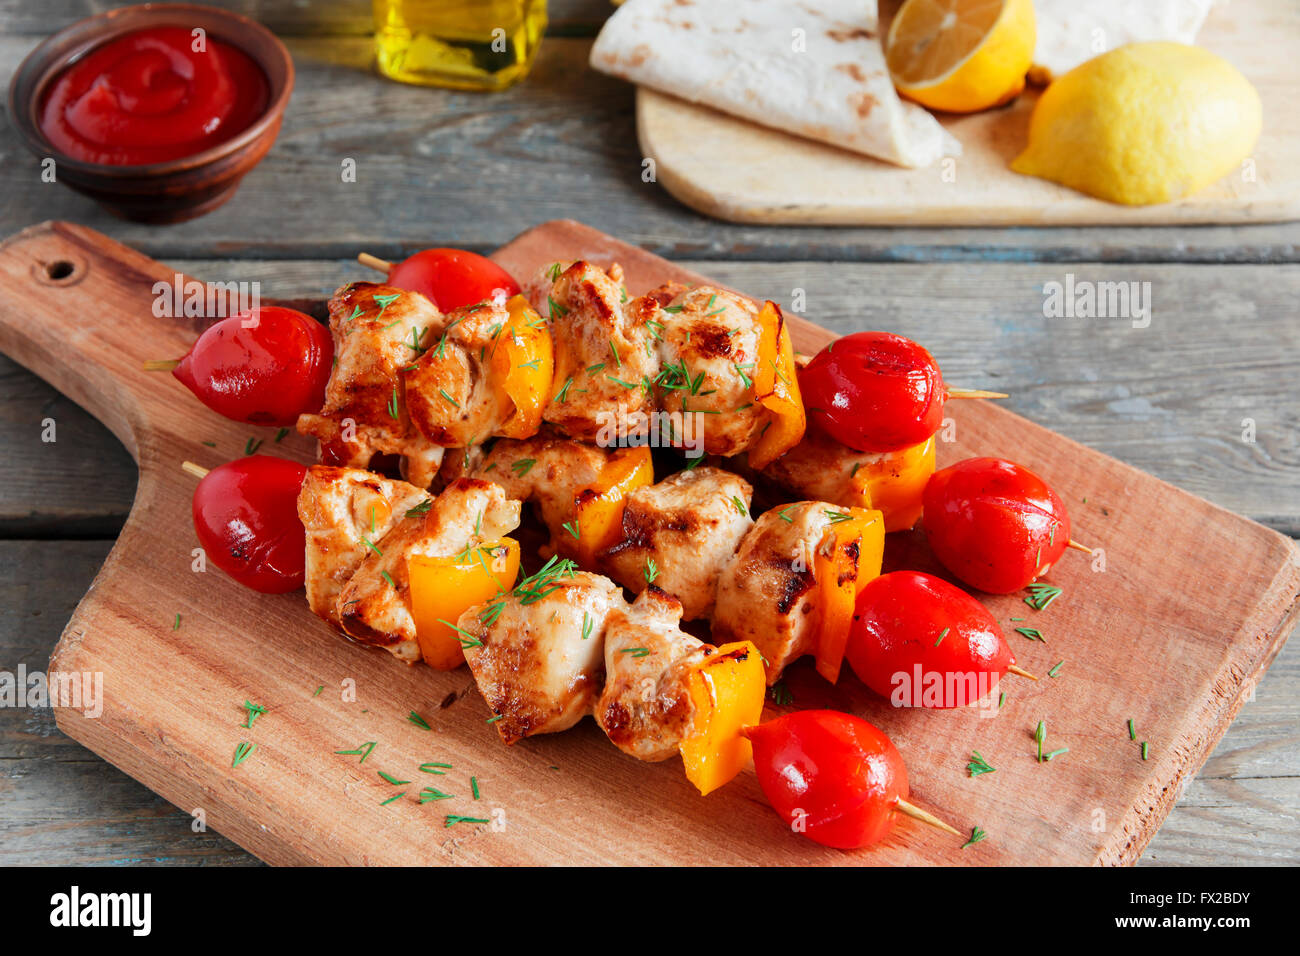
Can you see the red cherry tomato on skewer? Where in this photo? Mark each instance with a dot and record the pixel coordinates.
(874, 391)
(451, 278)
(246, 518)
(262, 367)
(831, 776)
(993, 524)
(920, 642)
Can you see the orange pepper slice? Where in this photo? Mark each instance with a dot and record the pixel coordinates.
(894, 483)
(444, 588)
(598, 511)
(841, 575)
(776, 387)
(523, 366)
(727, 690)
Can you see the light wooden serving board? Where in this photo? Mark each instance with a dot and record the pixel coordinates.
(1194, 604)
(735, 170)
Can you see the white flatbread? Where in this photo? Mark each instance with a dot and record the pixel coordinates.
(1072, 31)
(814, 69)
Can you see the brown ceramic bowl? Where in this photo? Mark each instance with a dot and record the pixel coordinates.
(178, 189)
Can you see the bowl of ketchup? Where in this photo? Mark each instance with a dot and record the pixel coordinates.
(156, 111)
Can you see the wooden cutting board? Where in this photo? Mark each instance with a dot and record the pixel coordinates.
(732, 169)
(1191, 609)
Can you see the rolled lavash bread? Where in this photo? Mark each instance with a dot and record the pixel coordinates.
(815, 69)
(1072, 31)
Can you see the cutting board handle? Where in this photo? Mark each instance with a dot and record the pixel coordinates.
(57, 281)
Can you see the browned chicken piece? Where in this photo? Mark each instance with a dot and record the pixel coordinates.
(689, 525)
(646, 707)
(537, 290)
(547, 470)
(820, 467)
(539, 663)
(374, 606)
(378, 331)
(448, 391)
(708, 354)
(768, 593)
(605, 361)
(344, 510)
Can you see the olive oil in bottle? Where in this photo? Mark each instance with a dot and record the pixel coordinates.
(464, 44)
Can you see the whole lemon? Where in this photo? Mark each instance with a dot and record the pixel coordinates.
(1144, 123)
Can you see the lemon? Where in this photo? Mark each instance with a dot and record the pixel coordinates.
(961, 55)
(1144, 123)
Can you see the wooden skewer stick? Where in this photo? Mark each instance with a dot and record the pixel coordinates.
(1079, 547)
(160, 365)
(924, 817)
(374, 262)
(198, 471)
(1013, 669)
(973, 393)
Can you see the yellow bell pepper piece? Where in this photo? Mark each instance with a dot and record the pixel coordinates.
(727, 690)
(523, 366)
(776, 388)
(444, 588)
(841, 573)
(598, 511)
(893, 483)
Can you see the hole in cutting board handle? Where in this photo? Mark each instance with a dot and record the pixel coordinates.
(63, 271)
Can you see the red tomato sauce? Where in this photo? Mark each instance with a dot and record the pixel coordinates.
(149, 96)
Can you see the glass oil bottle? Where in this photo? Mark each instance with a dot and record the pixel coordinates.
(463, 44)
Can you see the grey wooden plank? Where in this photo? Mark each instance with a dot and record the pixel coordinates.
(61, 804)
(1223, 347)
(474, 169)
(80, 483)
(285, 17)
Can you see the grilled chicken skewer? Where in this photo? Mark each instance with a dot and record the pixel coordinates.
(412, 381)
(786, 583)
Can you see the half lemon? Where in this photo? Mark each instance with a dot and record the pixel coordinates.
(961, 55)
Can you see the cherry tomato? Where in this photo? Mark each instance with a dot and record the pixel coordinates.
(921, 642)
(993, 524)
(450, 278)
(263, 367)
(874, 391)
(246, 517)
(831, 776)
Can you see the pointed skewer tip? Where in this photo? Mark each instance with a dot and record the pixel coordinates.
(926, 817)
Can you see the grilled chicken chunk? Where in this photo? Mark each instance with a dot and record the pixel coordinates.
(448, 392)
(548, 470)
(708, 355)
(689, 525)
(342, 509)
(646, 707)
(374, 606)
(605, 361)
(378, 331)
(820, 467)
(768, 593)
(539, 665)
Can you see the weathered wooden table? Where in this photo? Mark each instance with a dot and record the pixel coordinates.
(1221, 357)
